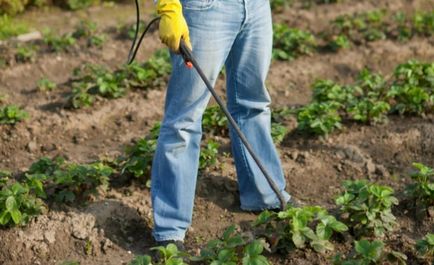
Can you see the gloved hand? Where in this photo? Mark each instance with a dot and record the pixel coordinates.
(172, 24)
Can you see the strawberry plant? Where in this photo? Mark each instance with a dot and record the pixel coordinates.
(170, 255)
(370, 253)
(329, 91)
(423, 23)
(152, 73)
(231, 249)
(338, 42)
(67, 182)
(413, 88)
(88, 29)
(18, 205)
(4, 177)
(369, 103)
(278, 132)
(58, 43)
(141, 260)
(319, 118)
(25, 53)
(79, 98)
(289, 43)
(367, 26)
(12, 114)
(425, 246)
(45, 84)
(279, 6)
(208, 155)
(421, 191)
(139, 158)
(296, 227)
(367, 207)
(214, 121)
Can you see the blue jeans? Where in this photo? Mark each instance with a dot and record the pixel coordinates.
(237, 34)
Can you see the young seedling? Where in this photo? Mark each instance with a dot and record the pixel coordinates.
(368, 208)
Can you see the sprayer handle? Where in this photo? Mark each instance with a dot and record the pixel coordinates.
(186, 53)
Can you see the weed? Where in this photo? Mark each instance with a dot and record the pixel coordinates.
(289, 43)
(12, 114)
(319, 118)
(45, 84)
(368, 207)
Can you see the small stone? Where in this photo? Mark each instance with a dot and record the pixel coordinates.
(50, 236)
(32, 146)
(382, 171)
(370, 167)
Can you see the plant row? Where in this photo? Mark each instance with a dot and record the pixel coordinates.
(409, 91)
(368, 217)
(356, 29)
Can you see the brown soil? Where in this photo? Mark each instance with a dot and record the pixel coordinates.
(117, 225)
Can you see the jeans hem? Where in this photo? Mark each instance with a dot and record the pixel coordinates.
(166, 237)
(261, 207)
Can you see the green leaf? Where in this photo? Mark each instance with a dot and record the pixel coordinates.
(11, 204)
(16, 216)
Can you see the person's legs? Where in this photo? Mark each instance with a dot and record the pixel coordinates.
(248, 102)
(213, 27)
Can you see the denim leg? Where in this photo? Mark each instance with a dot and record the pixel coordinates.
(213, 27)
(248, 101)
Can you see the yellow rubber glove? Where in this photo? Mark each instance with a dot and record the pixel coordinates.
(172, 24)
